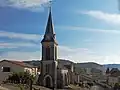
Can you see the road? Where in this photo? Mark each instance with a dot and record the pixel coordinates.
(96, 88)
(2, 88)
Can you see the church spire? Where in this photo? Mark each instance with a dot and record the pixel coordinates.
(49, 35)
(49, 28)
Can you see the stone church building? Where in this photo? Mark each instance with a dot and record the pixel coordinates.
(54, 74)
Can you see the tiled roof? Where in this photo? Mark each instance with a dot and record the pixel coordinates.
(114, 72)
(20, 63)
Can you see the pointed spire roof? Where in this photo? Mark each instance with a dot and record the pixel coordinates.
(49, 28)
(49, 33)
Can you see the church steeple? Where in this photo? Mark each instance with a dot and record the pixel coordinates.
(49, 35)
(49, 28)
(49, 44)
(49, 56)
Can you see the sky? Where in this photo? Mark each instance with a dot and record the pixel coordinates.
(86, 30)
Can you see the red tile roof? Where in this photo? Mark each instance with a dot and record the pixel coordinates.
(20, 63)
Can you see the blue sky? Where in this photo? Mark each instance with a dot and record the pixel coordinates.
(86, 30)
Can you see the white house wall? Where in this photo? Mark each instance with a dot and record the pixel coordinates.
(13, 68)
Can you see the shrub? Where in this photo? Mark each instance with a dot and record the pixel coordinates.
(21, 77)
(117, 86)
(21, 87)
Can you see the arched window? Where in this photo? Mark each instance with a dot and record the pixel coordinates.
(55, 52)
(47, 68)
(47, 53)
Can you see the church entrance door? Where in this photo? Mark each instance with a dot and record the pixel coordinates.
(47, 81)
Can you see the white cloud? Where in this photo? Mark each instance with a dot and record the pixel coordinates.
(38, 38)
(64, 52)
(89, 29)
(111, 18)
(78, 54)
(17, 44)
(13, 35)
(87, 55)
(34, 5)
(20, 55)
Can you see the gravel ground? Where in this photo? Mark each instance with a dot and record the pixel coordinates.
(14, 87)
(2, 88)
(9, 87)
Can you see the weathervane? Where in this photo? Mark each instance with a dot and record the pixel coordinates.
(50, 5)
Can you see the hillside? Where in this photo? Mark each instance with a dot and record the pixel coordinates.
(33, 62)
(82, 67)
(77, 66)
(37, 62)
(88, 65)
(112, 66)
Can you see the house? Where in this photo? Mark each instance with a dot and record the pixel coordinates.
(7, 67)
(113, 76)
(112, 80)
(77, 78)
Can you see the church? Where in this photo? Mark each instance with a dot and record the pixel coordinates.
(54, 73)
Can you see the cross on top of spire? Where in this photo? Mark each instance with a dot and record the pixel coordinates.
(50, 5)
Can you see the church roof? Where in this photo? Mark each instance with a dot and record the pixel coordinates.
(20, 63)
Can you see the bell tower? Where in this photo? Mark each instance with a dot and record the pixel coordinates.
(49, 56)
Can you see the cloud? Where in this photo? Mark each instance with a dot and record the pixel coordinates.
(64, 52)
(21, 55)
(17, 45)
(87, 55)
(38, 38)
(33, 5)
(79, 54)
(111, 18)
(13, 35)
(89, 29)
